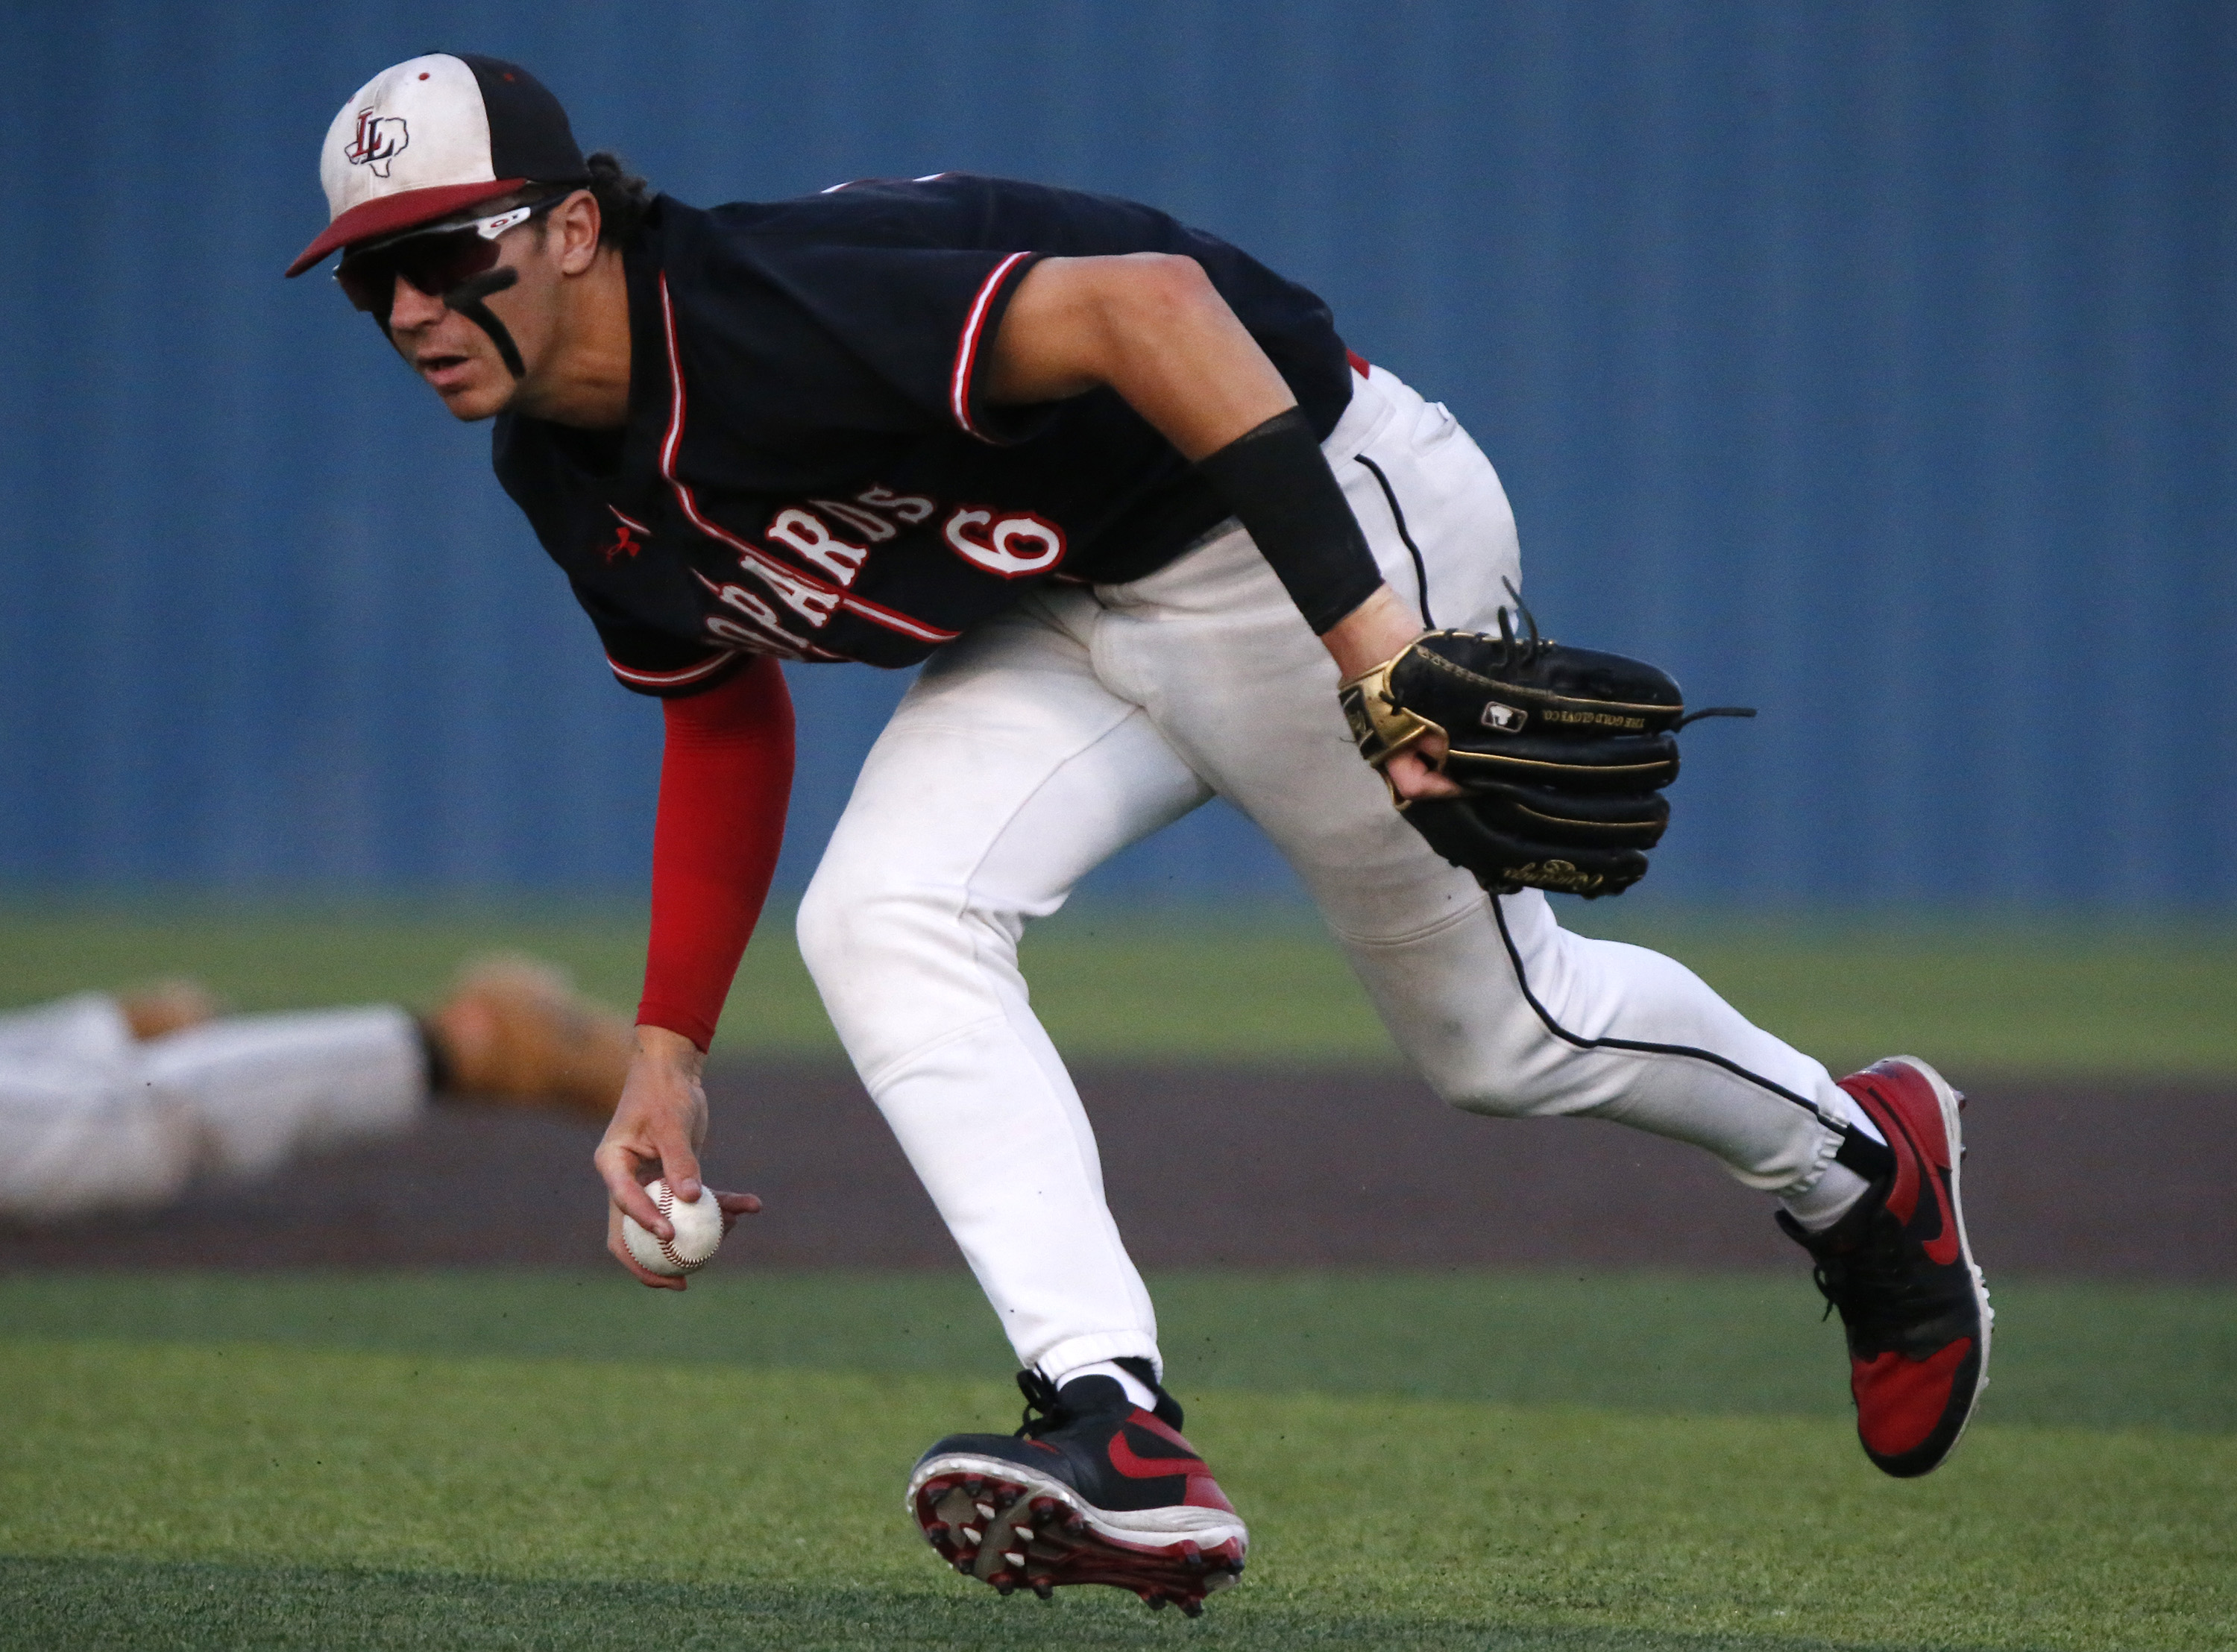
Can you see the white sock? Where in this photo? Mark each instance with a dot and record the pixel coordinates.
(1829, 1199)
(1136, 1390)
(1835, 1193)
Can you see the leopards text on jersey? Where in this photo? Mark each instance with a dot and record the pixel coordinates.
(811, 466)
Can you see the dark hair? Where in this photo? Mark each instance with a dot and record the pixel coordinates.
(623, 198)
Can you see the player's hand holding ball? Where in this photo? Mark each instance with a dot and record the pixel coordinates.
(662, 1223)
(697, 1228)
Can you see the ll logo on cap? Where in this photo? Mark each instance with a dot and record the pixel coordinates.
(381, 139)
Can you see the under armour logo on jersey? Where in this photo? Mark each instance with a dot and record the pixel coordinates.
(380, 140)
(1505, 719)
(628, 538)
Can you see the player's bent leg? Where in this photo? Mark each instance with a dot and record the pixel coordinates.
(1095, 1489)
(1897, 1262)
(1006, 775)
(1508, 1014)
(1501, 1010)
(1497, 1006)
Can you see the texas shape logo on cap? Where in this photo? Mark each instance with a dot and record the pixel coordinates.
(435, 135)
(380, 139)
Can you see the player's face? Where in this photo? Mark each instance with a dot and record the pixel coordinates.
(456, 355)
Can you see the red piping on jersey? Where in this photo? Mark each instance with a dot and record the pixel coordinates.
(966, 347)
(1358, 362)
(725, 779)
(677, 679)
(869, 610)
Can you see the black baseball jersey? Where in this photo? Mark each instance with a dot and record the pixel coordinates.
(811, 468)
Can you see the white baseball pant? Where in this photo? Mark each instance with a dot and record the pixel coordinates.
(91, 1119)
(1084, 719)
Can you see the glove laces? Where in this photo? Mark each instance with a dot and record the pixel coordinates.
(1519, 652)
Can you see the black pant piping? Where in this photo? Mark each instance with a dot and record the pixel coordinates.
(1420, 568)
(1522, 980)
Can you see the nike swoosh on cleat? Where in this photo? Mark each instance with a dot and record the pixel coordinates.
(1134, 1466)
(1943, 1248)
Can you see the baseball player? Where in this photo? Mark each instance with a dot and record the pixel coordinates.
(1143, 516)
(115, 1101)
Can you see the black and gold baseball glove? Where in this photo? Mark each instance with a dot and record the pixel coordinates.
(1564, 753)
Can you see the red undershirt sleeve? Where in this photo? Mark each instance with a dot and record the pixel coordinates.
(725, 780)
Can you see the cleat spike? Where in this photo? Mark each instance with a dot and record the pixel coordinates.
(1016, 1557)
(970, 1534)
(986, 1511)
(1192, 1608)
(1042, 1587)
(963, 1564)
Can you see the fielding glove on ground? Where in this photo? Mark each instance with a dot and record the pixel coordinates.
(1563, 754)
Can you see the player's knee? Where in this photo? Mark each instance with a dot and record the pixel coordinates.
(830, 930)
(1521, 1076)
(1485, 1096)
(855, 924)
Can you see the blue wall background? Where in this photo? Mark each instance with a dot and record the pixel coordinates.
(1871, 363)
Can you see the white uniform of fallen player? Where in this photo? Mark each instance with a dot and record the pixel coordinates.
(93, 1120)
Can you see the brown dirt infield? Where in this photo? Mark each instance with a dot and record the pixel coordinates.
(1209, 1167)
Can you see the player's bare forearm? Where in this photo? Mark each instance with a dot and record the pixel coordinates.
(1152, 327)
(657, 1128)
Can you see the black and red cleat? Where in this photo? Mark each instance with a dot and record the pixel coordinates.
(1899, 1269)
(1093, 1489)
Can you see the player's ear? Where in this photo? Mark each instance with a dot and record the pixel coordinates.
(575, 225)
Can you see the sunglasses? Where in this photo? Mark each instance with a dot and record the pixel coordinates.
(436, 260)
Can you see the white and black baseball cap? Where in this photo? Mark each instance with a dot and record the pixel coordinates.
(432, 136)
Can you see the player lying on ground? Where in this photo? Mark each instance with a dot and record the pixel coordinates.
(1128, 494)
(118, 1103)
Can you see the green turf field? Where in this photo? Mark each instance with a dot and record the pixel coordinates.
(1253, 986)
(477, 1460)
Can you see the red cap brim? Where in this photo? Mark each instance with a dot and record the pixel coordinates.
(392, 214)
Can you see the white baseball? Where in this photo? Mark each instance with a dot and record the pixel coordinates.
(698, 1233)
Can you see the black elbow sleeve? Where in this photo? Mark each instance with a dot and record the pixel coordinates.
(1275, 480)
